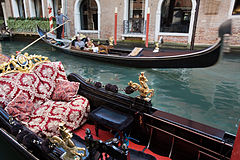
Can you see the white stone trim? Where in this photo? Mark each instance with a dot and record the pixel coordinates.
(88, 31)
(158, 20)
(32, 8)
(4, 13)
(43, 8)
(77, 22)
(134, 35)
(146, 8)
(231, 10)
(125, 11)
(15, 8)
(173, 34)
(25, 8)
(190, 31)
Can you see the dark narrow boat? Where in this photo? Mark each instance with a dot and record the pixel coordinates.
(151, 133)
(147, 58)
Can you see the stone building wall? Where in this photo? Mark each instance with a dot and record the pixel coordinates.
(211, 14)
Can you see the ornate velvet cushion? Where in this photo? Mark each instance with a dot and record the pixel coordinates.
(48, 73)
(8, 89)
(65, 90)
(13, 83)
(21, 107)
(46, 118)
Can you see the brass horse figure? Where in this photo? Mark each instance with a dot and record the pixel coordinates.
(142, 87)
(67, 144)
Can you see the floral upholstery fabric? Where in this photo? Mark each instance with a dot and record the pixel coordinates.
(29, 95)
(48, 73)
(11, 84)
(8, 89)
(65, 90)
(46, 119)
(21, 107)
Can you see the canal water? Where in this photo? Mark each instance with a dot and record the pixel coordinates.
(206, 95)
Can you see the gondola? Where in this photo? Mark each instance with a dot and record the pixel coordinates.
(144, 57)
(117, 125)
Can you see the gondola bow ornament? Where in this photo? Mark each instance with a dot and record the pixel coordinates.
(64, 141)
(142, 88)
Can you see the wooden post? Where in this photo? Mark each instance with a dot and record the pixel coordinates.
(147, 27)
(115, 28)
(50, 14)
(63, 25)
(236, 147)
(63, 32)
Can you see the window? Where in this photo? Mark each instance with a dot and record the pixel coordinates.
(236, 9)
(136, 16)
(89, 15)
(175, 16)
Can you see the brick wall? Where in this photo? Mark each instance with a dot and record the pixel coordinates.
(211, 14)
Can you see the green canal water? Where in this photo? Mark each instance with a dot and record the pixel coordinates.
(206, 95)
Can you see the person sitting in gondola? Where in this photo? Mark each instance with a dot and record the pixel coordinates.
(78, 43)
(74, 40)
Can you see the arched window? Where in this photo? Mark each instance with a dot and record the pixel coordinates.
(236, 8)
(88, 15)
(176, 16)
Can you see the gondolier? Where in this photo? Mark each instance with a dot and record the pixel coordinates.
(59, 21)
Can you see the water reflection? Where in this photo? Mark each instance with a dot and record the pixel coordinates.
(208, 95)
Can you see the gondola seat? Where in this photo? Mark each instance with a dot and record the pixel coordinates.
(112, 119)
(43, 98)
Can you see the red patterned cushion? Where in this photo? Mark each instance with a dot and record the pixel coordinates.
(48, 73)
(11, 84)
(46, 118)
(8, 88)
(21, 107)
(65, 90)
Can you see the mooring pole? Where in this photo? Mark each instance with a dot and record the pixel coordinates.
(236, 147)
(147, 27)
(50, 14)
(115, 28)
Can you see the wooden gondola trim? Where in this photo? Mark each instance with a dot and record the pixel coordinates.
(188, 130)
(19, 145)
(199, 146)
(201, 152)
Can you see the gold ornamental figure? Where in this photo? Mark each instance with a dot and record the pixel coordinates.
(64, 141)
(142, 88)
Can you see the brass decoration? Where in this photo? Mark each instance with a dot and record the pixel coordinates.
(67, 144)
(156, 49)
(110, 41)
(22, 63)
(142, 87)
(158, 44)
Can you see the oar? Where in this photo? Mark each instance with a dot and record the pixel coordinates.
(18, 52)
